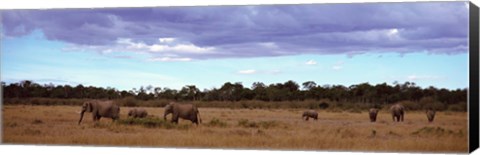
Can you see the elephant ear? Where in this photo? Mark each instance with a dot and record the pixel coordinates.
(89, 106)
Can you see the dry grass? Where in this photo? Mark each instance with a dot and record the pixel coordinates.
(243, 128)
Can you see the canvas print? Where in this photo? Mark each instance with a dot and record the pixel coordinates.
(389, 77)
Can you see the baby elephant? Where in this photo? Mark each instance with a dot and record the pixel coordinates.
(137, 113)
(310, 114)
(373, 114)
(430, 115)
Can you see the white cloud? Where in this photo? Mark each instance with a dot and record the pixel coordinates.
(130, 44)
(249, 71)
(311, 62)
(424, 77)
(166, 50)
(170, 59)
(268, 44)
(166, 40)
(164, 45)
(393, 34)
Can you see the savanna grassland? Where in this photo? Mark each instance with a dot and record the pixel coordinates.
(242, 129)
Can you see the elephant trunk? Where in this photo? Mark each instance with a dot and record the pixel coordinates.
(199, 119)
(81, 116)
(165, 116)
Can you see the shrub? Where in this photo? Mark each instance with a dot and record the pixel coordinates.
(215, 122)
(410, 105)
(35, 101)
(247, 124)
(438, 131)
(244, 105)
(458, 107)
(129, 102)
(294, 105)
(355, 110)
(37, 121)
(431, 103)
(323, 105)
(268, 124)
(151, 123)
(263, 124)
(313, 105)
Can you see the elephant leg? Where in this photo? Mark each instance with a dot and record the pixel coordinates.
(194, 119)
(401, 116)
(175, 119)
(307, 118)
(95, 117)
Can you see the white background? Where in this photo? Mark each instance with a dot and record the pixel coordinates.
(83, 150)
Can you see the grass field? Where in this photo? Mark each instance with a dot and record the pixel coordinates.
(281, 129)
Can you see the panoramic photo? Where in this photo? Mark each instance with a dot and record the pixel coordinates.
(389, 77)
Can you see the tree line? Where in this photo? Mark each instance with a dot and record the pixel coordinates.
(233, 92)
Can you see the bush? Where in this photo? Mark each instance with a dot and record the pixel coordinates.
(458, 107)
(245, 123)
(294, 105)
(129, 102)
(37, 121)
(244, 105)
(263, 124)
(410, 105)
(323, 105)
(431, 103)
(355, 110)
(268, 124)
(151, 123)
(215, 122)
(35, 101)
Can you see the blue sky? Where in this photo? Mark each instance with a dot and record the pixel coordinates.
(208, 46)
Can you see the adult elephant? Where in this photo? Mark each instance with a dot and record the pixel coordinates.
(310, 114)
(137, 113)
(184, 111)
(398, 112)
(430, 115)
(100, 109)
(373, 114)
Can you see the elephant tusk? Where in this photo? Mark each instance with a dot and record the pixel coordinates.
(78, 112)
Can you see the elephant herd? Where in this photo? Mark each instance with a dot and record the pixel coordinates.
(398, 113)
(109, 109)
(397, 110)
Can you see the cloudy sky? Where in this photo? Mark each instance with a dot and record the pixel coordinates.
(425, 43)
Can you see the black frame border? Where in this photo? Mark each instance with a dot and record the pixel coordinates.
(473, 94)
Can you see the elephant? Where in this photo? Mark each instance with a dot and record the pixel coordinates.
(137, 113)
(398, 112)
(373, 114)
(184, 111)
(310, 114)
(100, 109)
(430, 115)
